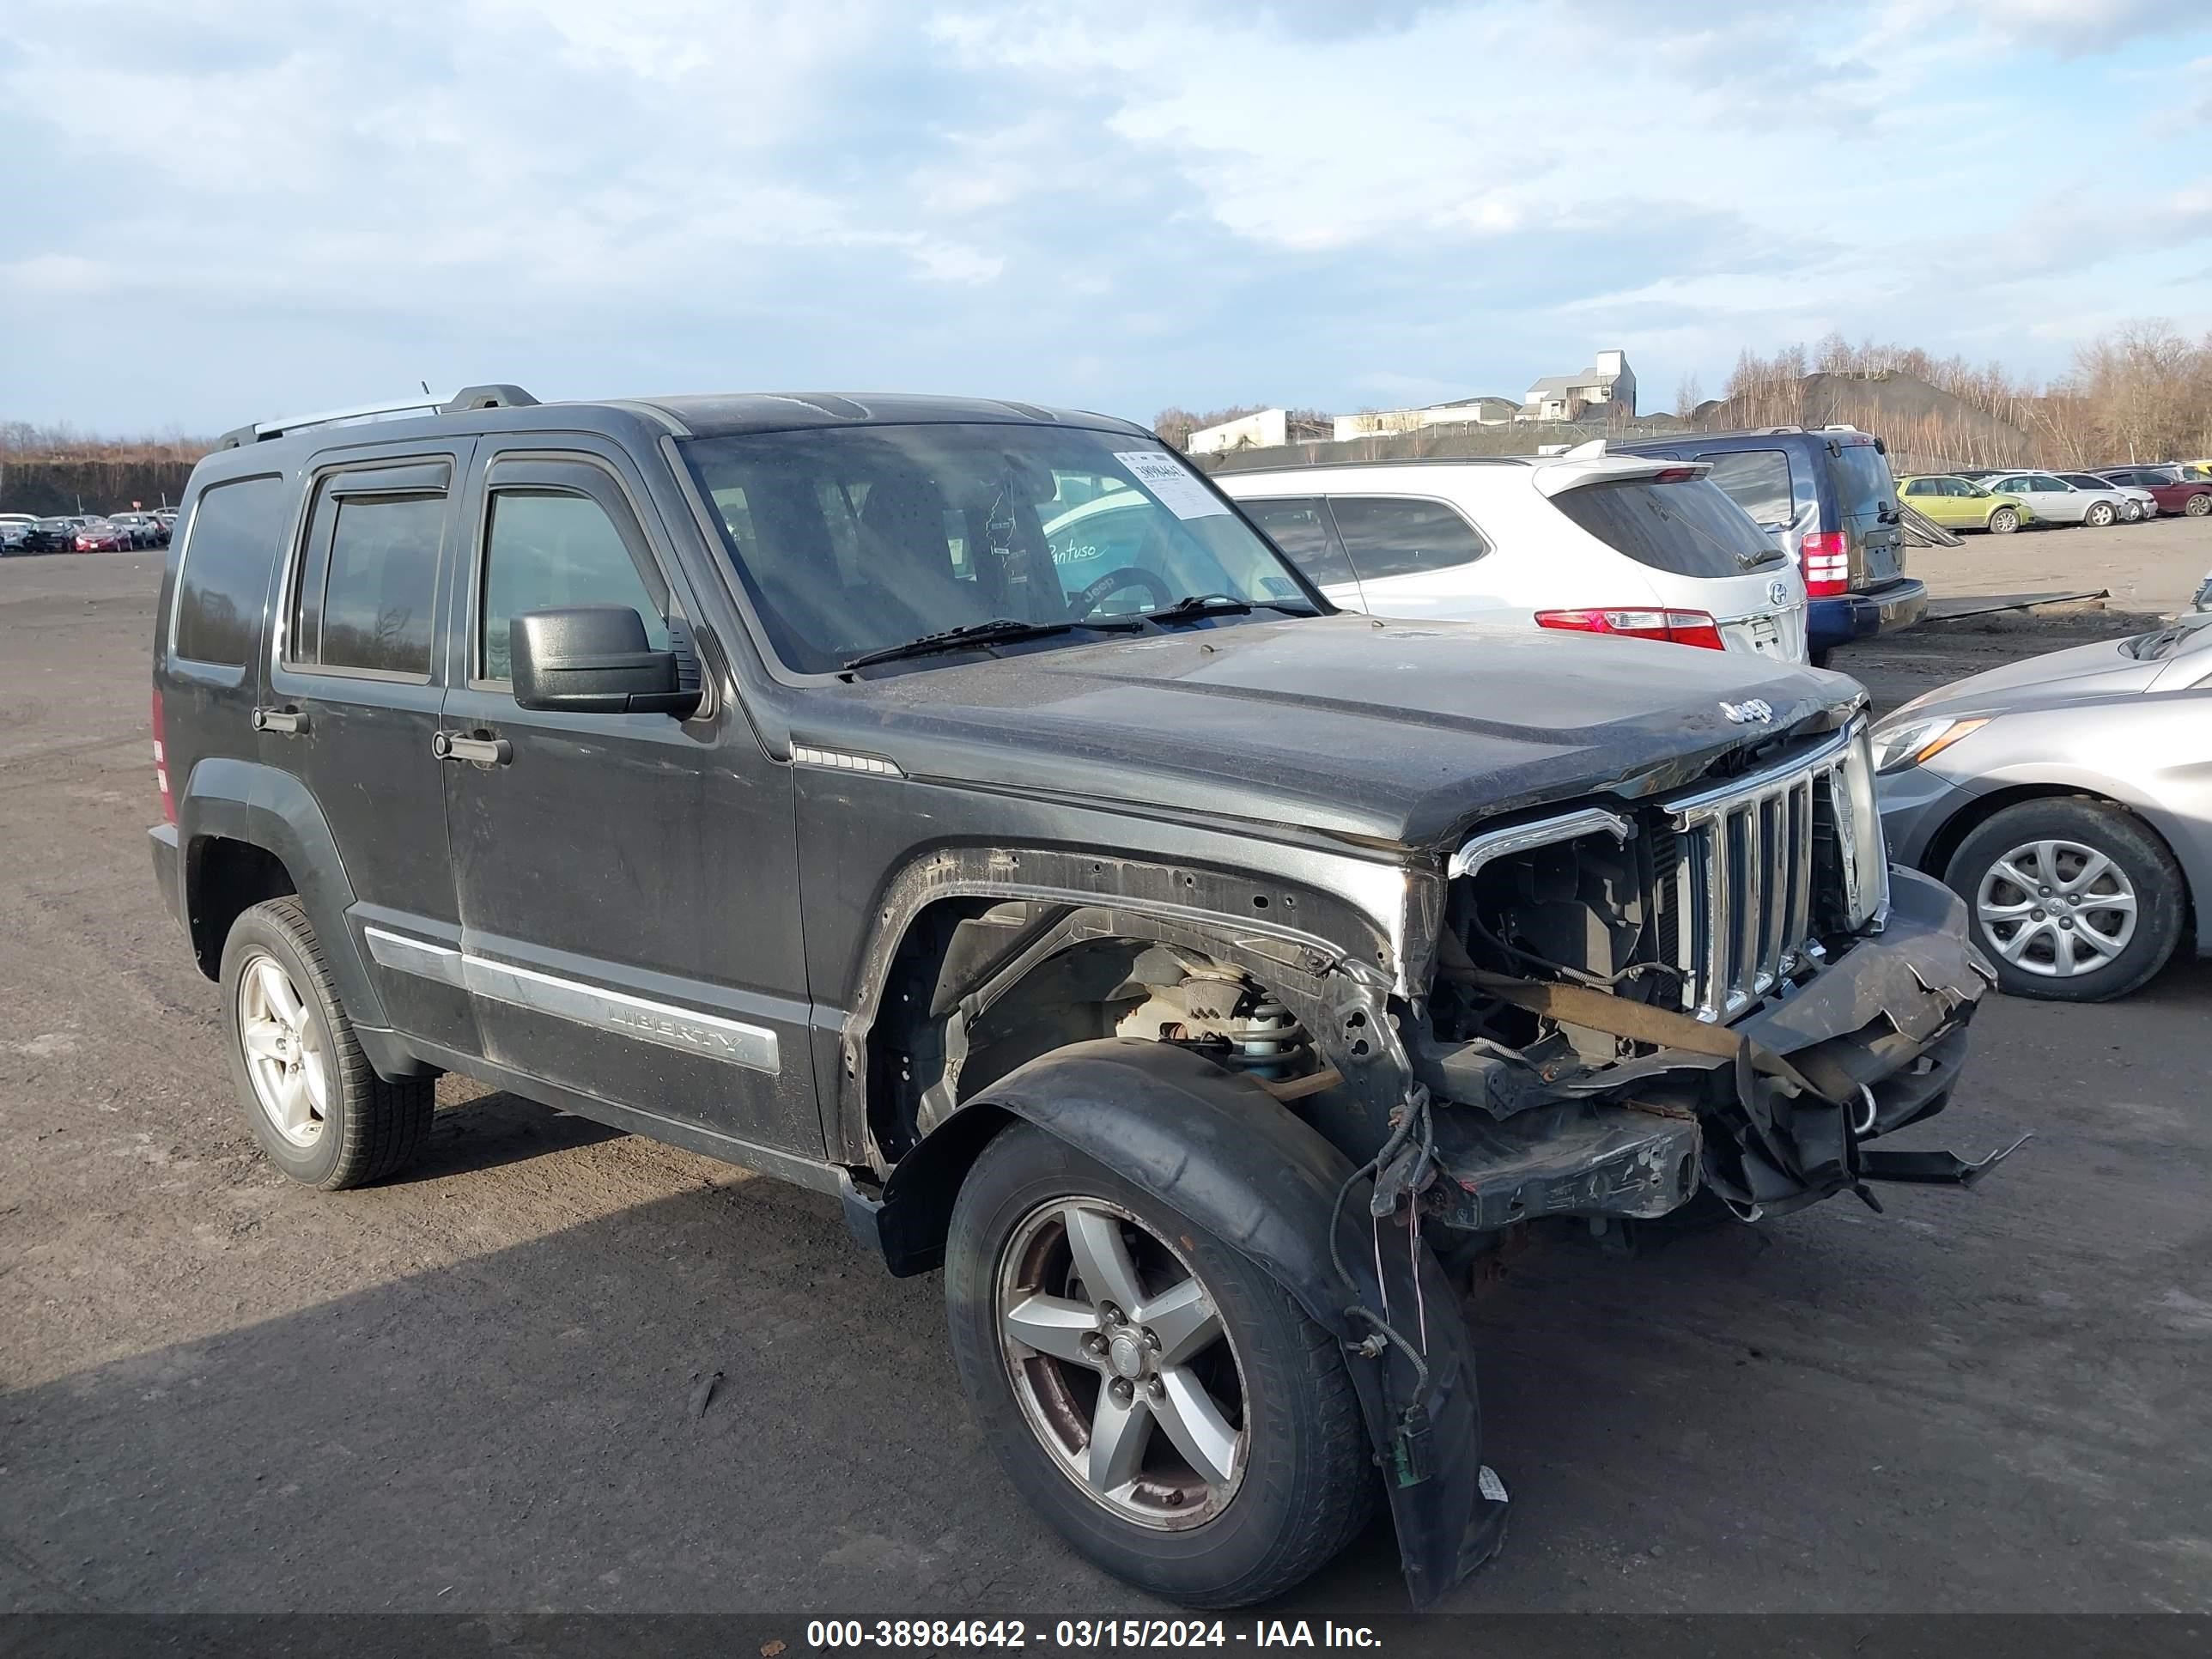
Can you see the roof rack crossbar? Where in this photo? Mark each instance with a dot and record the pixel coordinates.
(497, 395)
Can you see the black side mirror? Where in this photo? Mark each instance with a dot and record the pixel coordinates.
(594, 659)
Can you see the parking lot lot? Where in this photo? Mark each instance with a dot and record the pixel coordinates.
(485, 1386)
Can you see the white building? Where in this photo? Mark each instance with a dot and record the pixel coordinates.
(1463, 412)
(1610, 381)
(1268, 430)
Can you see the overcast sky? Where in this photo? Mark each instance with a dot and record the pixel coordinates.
(224, 210)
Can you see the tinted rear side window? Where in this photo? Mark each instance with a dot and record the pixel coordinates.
(1687, 529)
(232, 543)
(1300, 529)
(1864, 489)
(1400, 535)
(1757, 481)
(378, 587)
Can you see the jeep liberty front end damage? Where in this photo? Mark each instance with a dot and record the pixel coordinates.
(1707, 988)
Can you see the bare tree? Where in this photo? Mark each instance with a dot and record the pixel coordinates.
(1688, 394)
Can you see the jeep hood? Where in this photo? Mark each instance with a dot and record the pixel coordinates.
(1390, 732)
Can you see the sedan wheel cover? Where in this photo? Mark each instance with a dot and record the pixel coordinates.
(2056, 909)
(285, 1057)
(1122, 1366)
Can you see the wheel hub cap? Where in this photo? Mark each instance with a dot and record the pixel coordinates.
(2056, 908)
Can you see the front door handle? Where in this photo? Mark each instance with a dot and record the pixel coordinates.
(480, 751)
(290, 721)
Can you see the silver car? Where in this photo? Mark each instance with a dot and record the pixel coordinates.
(2057, 501)
(2141, 503)
(2067, 799)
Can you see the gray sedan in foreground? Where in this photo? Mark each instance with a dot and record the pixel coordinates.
(2067, 799)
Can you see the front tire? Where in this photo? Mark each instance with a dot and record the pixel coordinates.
(2003, 521)
(2099, 514)
(318, 1109)
(2198, 506)
(1168, 1407)
(2074, 900)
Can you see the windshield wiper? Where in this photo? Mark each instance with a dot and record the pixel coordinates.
(997, 631)
(1193, 605)
(2150, 648)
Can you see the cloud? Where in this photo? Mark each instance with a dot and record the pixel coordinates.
(2073, 28)
(1309, 203)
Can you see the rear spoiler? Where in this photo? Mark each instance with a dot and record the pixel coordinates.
(1592, 464)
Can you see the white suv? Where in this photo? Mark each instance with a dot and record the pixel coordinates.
(1595, 543)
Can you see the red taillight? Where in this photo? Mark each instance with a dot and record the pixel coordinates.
(1826, 561)
(1675, 475)
(1679, 627)
(161, 763)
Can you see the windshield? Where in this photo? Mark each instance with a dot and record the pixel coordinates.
(1863, 487)
(854, 540)
(1689, 528)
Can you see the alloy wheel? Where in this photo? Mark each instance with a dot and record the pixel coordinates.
(1122, 1364)
(2056, 908)
(285, 1056)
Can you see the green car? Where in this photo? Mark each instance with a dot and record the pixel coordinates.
(1961, 504)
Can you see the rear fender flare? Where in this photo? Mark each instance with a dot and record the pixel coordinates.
(1219, 1149)
(242, 800)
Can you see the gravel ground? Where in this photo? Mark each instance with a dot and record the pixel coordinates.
(471, 1389)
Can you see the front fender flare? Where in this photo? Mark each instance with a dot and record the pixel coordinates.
(1219, 1149)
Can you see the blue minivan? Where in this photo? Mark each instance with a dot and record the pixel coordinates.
(1827, 496)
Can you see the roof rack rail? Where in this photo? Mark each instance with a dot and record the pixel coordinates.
(468, 399)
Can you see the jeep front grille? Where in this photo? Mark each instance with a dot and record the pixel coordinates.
(1760, 859)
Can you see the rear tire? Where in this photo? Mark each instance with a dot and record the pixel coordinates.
(2198, 507)
(317, 1107)
(2033, 877)
(1302, 1484)
(2003, 521)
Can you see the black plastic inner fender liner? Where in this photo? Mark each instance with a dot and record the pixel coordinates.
(1224, 1152)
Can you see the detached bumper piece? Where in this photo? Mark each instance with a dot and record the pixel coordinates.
(1932, 1169)
(1579, 1157)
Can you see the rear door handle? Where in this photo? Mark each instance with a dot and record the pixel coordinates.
(290, 721)
(480, 751)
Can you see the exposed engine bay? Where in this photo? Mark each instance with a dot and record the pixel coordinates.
(1565, 1010)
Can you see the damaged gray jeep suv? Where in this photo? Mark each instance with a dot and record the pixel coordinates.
(1189, 970)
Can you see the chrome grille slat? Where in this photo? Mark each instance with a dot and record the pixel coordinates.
(1774, 812)
(1746, 878)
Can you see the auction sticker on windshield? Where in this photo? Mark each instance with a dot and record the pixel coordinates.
(1171, 485)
